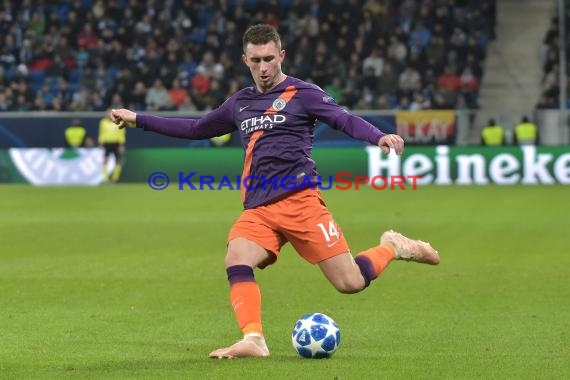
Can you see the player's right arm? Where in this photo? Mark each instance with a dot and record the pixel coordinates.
(215, 123)
(323, 107)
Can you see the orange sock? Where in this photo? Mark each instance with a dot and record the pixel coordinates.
(374, 260)
(246, 302)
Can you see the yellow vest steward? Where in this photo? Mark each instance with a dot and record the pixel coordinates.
(526, 133)
(109, 132)
(493, 135)
(74, 135)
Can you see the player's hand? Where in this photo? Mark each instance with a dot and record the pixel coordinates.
(124, 118)
(388, 142)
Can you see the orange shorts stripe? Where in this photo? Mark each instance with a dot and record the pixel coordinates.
(301, 219)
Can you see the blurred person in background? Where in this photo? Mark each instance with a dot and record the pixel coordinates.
(493, 134)
(75, 134)
(112, 139)
(526, 132)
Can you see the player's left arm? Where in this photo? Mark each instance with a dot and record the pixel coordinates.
(322, 106)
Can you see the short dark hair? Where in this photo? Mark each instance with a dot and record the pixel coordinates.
(261, 34)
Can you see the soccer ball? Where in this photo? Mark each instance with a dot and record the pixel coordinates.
(316, 336)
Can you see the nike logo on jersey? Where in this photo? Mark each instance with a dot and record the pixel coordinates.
(330, 245)
(242, 108)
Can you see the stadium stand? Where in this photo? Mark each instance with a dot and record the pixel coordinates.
(86, 55)
(550, 91)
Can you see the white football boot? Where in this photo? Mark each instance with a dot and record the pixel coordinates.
(409, 249)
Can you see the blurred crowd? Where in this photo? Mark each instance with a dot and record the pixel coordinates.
(148, 55)
(550, 91)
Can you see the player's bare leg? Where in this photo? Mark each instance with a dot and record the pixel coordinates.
(409, 249)
(352, 275)
(244, 255)
(343, 273)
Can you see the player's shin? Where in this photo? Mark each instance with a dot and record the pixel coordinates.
(245, 297)
(373, 261)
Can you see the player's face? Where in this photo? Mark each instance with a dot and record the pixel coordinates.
(264, 62)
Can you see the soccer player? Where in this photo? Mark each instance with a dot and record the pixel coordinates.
(275, 119)
(112, 140)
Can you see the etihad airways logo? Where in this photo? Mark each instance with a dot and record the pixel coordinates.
(261, 122)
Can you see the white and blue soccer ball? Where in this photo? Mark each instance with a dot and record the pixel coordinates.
(315, 336)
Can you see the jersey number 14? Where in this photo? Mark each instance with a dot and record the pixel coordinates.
(332, 231)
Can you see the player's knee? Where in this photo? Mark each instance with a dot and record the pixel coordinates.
(244, 252)
(233, 257)
(349, 285)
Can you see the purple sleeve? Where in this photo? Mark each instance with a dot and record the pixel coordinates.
(215, 123)
(319, 104)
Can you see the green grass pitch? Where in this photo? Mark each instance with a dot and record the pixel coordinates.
(123, 282)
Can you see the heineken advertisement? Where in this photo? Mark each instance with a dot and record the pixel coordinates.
(444, 165)
(437, 165)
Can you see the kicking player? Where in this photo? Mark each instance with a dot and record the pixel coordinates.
(275, 119)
